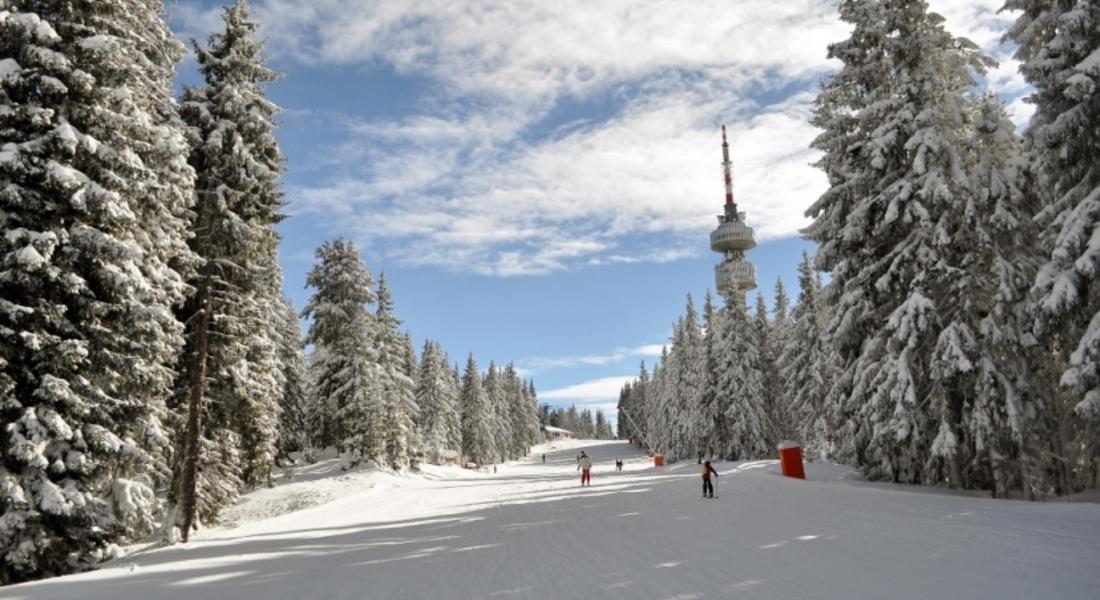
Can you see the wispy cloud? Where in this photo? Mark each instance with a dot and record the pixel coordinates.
(614, 357)
(599, 390)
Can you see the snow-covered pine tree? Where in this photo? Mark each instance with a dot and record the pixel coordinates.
(586, 423)
(292, 402)
(692, 384)
(499, 426)
(230, 370)
(682, 388)
(767, 354)
(411, 362)
(782, 307)
(665, 403)
(602, 427)
(654, 396)
(455, 425)
(709, 416)
(399, 410)
(996, 233)
(623, 429)
(741, 385)
(437, 401)
(94, 198)
(477, 417)
(807, 368)
(519, 442)
(534, 423)
(894, 122)
(1059, 48)
(637, 417)
(258, 416)
(779, 332)
(345, 398)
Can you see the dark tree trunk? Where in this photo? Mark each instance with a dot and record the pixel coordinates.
(196, 386)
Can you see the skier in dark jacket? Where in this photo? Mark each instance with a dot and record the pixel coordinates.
(708, 487)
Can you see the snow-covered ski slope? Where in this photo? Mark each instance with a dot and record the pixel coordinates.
(530, 531)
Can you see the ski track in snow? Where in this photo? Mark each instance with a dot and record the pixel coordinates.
(531, 532)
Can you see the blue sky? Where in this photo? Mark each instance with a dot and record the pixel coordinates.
(538, 179)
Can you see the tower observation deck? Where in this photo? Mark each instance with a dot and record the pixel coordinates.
(732, 238)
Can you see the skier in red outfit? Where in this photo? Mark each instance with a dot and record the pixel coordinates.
(584, 464)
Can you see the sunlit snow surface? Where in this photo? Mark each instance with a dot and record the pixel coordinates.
(530, 531)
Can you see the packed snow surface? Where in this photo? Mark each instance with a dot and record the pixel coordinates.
(530, 531)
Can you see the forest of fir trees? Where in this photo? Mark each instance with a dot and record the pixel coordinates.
(582, 423)
(151, 367)
(957, 341)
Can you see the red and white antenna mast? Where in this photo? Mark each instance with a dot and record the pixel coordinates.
(727, 168)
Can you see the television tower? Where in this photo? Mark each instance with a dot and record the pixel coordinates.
(732, 238)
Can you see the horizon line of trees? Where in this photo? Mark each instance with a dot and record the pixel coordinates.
(584, 423)
(957, 341)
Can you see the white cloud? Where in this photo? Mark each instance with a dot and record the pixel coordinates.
(651, 171)
(480, 176)
(605, 388)
(539, 49)
(616, 356)
(977, 20)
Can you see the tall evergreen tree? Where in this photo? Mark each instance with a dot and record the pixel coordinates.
(94, 199)
(455, 425)
(493, 385)
(411, 362)
(782, 305)
(740, 386)
(345, 399)
(477, 417)
(534, 422)
(637, 415)
(807, 368)
(438, 403)
(399, 410)
(779, 332)
(230, 373)
(710, 415)
(1002, 419)
(292, 419)
(520, 439)
(602, 427)
(767, 351)
(683, 389)
(895, 123)
(655, 401)
(1058, 45)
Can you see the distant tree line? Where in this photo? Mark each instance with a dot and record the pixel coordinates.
(583, 423)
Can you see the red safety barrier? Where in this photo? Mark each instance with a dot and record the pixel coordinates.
(790, 460)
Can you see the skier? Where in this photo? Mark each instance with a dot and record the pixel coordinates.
(708, 487)
(543, 458)
(584, 464)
